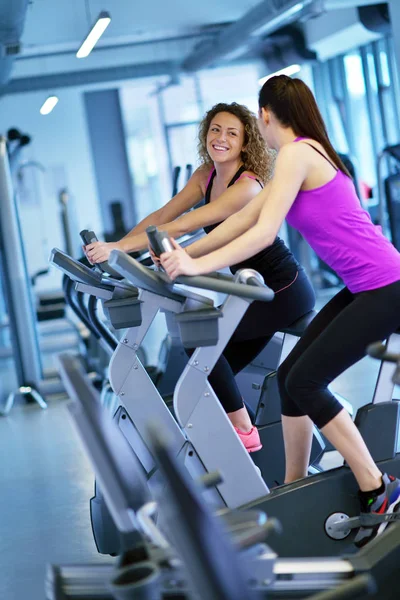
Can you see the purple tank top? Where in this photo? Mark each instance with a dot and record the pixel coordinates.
(333, 222)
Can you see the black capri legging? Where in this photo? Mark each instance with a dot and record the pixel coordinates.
(261, 321)
(335, 340)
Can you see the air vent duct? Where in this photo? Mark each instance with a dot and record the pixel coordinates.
(375, 17)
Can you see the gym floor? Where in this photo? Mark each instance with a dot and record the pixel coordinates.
(46, 482)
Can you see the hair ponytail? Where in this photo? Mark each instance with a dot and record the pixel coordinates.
(294, 105)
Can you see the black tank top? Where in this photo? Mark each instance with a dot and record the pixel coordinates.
(275, 263)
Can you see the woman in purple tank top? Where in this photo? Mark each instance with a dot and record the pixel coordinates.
(313, 190)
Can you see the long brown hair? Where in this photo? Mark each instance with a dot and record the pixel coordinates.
(256, 157)
(294, 105)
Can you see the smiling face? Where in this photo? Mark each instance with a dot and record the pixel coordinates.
(225, 138)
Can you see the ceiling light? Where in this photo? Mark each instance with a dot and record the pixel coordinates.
(102, 22)
(286, 71)
(48, 105)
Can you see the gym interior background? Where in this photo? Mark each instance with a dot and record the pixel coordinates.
(126, 117)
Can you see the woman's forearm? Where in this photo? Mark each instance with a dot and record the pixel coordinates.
(230, 229)
(221, 235)
(177, 206)
(248, 244)
(136, 242)
(154, 218)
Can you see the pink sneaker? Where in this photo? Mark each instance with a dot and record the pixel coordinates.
(251, 440)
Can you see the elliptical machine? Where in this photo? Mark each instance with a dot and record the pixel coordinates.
(140, 401)
(332, 495)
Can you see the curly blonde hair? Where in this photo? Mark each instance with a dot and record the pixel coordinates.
(256, 157)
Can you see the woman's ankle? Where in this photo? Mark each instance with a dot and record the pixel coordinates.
(292, 477)
(241, 419)
(243, 427)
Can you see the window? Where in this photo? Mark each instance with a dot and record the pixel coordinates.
(386, 87)
(146, 148)
(230, 84)
(183, 147)
(181, 102)
(360, 119)
(330, 107)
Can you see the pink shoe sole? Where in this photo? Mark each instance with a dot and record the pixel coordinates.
(251, 440)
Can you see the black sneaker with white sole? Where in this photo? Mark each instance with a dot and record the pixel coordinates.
(382, 502)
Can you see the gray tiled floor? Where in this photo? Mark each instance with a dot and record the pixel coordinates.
(46, 483)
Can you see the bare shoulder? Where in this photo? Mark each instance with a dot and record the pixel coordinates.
(292, 149)
(294, 153)
(248, 184)
(249, 174)
(307, 146)
(201, 175)
(249, 178)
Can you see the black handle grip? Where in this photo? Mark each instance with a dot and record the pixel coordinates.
(158, 240)
(359, 586)
(89, 237)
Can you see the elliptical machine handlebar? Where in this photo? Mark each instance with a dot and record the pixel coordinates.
(251, 288)
(156, 281)
(76, 270)
(160, 242)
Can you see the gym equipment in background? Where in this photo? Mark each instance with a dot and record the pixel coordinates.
(118, 221)
(389, 194)
(32, 384)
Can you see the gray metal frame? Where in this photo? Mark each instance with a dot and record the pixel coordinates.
(132, 384)
(140, 397)
(205, 422)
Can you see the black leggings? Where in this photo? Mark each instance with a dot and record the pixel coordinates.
(335, 340)
(261, 321)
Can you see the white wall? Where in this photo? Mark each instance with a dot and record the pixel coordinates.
(60, 143)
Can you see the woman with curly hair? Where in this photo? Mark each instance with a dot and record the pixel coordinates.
(243, 148)
(235, 164)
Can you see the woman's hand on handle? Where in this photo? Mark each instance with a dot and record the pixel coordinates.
(99, 252)
(178, 262)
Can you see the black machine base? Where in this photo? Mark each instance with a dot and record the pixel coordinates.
(303, 507)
